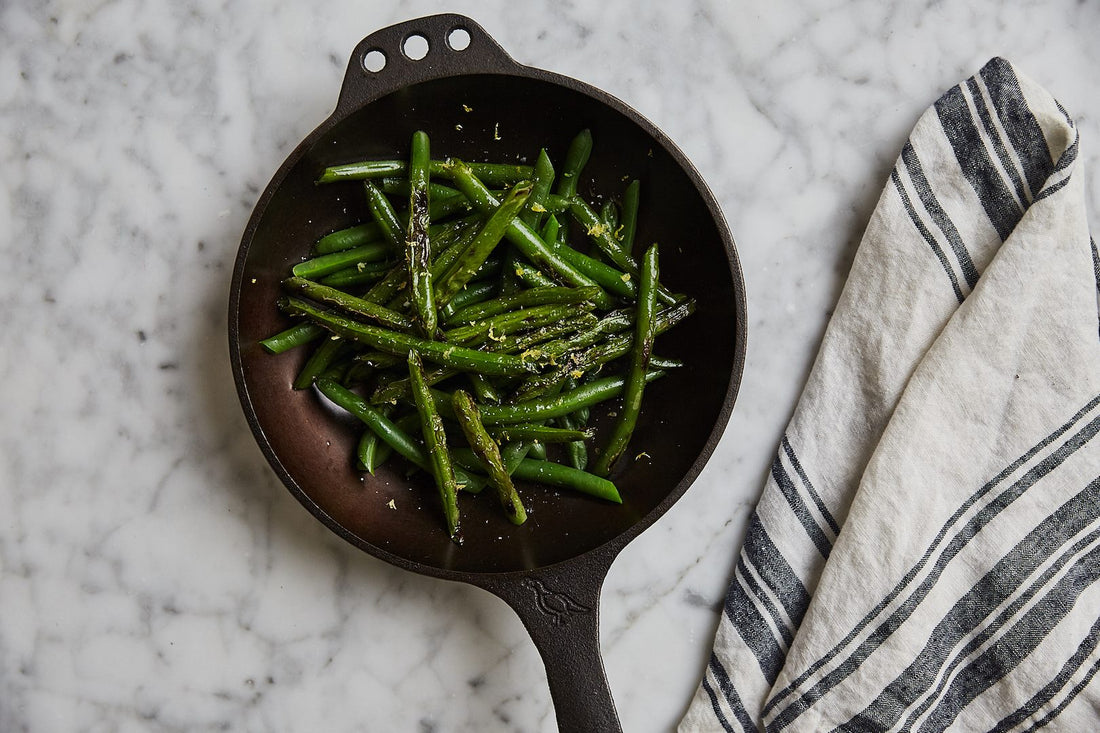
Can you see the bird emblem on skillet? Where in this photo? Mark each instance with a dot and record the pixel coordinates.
(555, 604)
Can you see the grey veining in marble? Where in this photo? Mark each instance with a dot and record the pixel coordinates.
(154, 575)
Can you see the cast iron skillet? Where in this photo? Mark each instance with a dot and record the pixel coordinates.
(551, 569)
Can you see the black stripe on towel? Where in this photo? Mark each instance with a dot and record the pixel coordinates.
(762, 597)
(1067, 159)
(810, 487)
(716, 707)
(805, 518)
(753, 630)
(1000, 205)
(927, 235)
(1024, 132)
(729, 692)
(761, 553)
(1069, 156)
(939, 216)
(1053, 188)
(962, 537)
(973, 609)
(1084, 650)
(1008, 164)
(1096, 272)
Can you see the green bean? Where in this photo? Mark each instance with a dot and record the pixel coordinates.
(629, 221)
(614, 281)
(371, 450)
(327, 264)
(541, 433)
(365, 169)
(494, 174)
(664, 363)
(544, 408)
(377, 359)
(348, 238)
(473, 293)
(512, 453)
(576, 157)
(538, 450)
(417, 246)
(549, 474)
(550, 229)
(600, 234)
(566, 477)
(556, 204)
(486, 449)
(467, 263)
(435, 440)
(296, 335)
(533, 248)
(398, 343)
(485, 390)
(541, 181)
(401, 442)
(381, 210)
(364, 273)
(348, 303)
(645, 330)
(531, 276)
(576, 451)
(532, 297)
(609, 212)
(317, 362)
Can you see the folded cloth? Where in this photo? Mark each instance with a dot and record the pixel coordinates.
(925, 553)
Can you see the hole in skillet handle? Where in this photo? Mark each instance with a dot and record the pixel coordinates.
(374, 60)
(459, 39)
(415, 51)
(415, 47)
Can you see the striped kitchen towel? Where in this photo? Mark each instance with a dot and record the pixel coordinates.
(926, 551)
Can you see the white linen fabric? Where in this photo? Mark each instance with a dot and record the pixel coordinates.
(925, 553)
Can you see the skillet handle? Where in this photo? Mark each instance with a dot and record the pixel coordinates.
(559, 607)
(379, 65)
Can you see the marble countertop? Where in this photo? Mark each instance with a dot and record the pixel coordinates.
(154, 574)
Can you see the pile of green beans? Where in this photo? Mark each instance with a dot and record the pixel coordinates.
(475, 316)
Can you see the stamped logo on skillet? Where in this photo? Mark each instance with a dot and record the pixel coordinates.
(555, 604)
